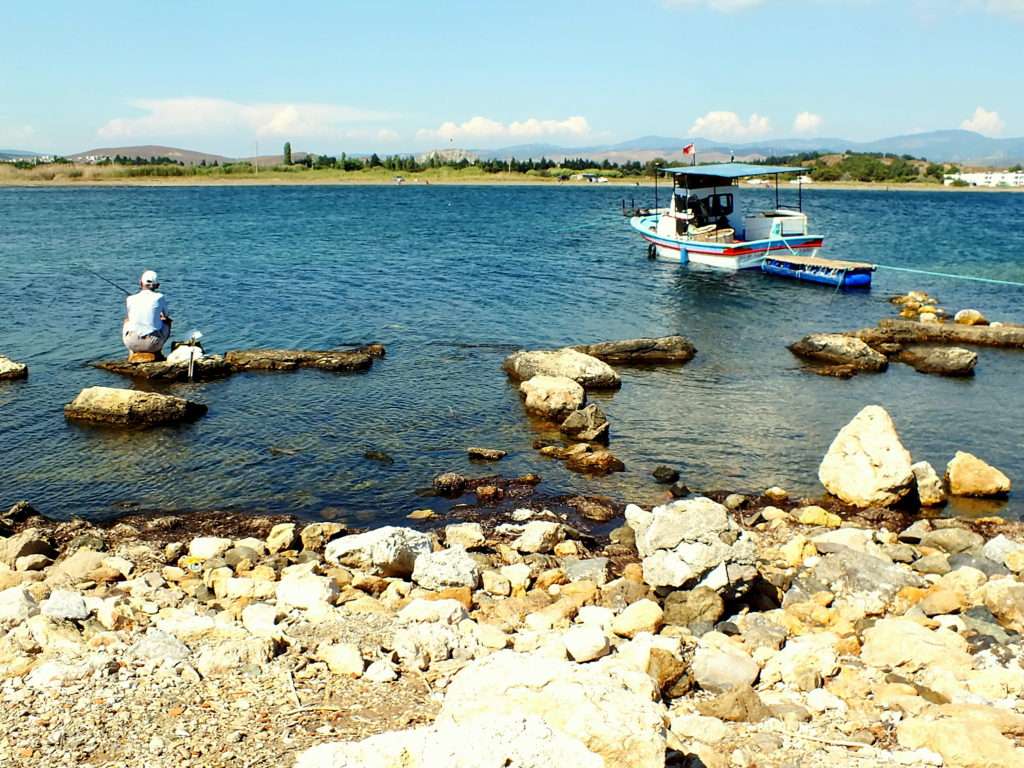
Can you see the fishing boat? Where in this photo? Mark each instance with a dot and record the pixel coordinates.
(702, 224)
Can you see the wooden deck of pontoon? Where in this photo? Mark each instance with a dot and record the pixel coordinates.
(816, 261)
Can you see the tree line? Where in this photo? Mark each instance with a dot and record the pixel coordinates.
(866, 166)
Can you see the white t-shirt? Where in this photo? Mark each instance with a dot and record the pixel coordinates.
(144, 310)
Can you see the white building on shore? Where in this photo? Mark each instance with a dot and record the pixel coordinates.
(987, 179)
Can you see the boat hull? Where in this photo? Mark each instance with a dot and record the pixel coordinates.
(725, 256)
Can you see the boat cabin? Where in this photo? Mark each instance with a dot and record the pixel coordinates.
(703, 208)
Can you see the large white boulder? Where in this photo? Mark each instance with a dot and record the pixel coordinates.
(970, 476)
(867, 465)
(614, 716)
(388, 551)
(553, 397)
(587, 371)
(484, 742)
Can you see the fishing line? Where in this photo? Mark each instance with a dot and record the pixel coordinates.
(94, 273)
(955, 277)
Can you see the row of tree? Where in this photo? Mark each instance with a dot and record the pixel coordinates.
(866, 166)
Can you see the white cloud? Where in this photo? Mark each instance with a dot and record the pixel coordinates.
(983, 121)
(729, 125)
(807, 123)
(1011, 8)
(722, 6)
(205, 117)
(484, 129)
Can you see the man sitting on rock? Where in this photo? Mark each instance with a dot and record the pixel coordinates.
(147, 326)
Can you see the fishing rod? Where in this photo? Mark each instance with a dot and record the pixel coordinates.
(108, 282)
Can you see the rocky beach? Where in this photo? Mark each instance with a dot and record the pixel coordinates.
(713, 629)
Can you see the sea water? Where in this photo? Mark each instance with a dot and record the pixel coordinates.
(452, 279)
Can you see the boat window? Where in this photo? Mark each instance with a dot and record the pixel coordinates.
(720, 205)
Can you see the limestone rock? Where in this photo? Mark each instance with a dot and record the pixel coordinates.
(387, 551)
(952, 540)
(483, 742)
(281, 537)
(131, 408)
(539, 536)
(721, 664)
(900, 642)
(465, 535)
(867, 465)
(486, 454)
(701, 605)
(601, 462)
(552, 397)
(16, 605)
(614, 716)
(945, 361)
(208, 547)
(339, 360)
(317, 535)
(11, 370)
(658, 351)
(64, 604)
(448, 568)
(839, 349)
(229, 656)
(30, 541)
(306, 590)
(969, 317)
(930, 490)
(587, 371)
(968, 475)
(586, 643)
(641, 616)
(962, 743)
(588, 424)
(342, 658)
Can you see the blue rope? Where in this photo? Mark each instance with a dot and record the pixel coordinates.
(955, 277)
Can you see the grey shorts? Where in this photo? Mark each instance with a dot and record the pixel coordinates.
(152, 342)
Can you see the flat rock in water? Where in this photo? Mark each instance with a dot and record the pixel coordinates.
(206, 368)
(289, 359)
(904, 332)
(585, 370)
(665, 349)
(217, 367)
(837, 349)
(11, 370)
(588, 424)
(130, 408)
(552, 397)
(944, 361)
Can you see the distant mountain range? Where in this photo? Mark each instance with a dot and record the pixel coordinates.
(953, 146)
(17, 154)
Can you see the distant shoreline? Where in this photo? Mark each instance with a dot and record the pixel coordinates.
(13, 180)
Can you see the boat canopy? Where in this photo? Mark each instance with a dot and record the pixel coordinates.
(731, 170)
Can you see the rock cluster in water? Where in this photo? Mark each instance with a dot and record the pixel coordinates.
(922, 339)
(554, 386)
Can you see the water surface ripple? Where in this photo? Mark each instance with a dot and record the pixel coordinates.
(451, 279)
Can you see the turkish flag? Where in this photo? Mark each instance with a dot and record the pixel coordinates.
(689, 149)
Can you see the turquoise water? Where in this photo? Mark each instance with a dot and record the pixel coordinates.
(451, 279)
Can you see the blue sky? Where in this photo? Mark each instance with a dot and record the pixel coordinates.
(402, 76)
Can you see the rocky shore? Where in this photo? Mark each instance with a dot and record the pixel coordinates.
(720, 631)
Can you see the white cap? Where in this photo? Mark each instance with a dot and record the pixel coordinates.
(149, 278)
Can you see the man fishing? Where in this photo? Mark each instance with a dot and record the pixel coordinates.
(148, 325)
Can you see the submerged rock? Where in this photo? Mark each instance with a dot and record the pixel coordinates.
(944, 361)
(970, 476)
(131, 408)
(665, 474)
(11, 370)
(837, 349)
(552, 397)
(486, 454)
(206, 368)
(585, 370)
(595, 463)
(588, 424)
(666, 349)
(867, 465)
